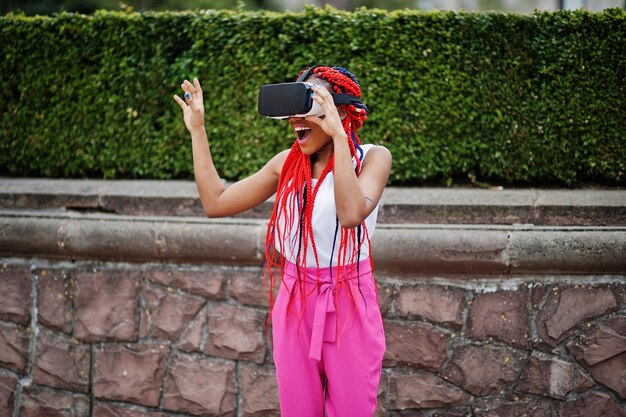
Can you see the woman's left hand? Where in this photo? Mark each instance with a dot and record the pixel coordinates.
(331, 121)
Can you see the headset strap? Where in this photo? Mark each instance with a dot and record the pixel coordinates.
(338, 98)
(306, 74)
(344, 98)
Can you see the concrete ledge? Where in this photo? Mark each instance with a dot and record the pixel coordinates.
(402, 248)
(576, 251)
(441, 248)
(599, 207)
(127, 238)
(523, 206)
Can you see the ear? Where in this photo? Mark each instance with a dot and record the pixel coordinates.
(342, 112)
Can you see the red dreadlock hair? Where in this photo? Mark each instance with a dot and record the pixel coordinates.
(295, 179)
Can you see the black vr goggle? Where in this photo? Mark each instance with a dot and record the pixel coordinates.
(281, 101)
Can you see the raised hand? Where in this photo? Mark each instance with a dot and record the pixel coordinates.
(193, 106)
(331, 121)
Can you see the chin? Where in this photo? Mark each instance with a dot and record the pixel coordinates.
(314, 144)
(307, 150)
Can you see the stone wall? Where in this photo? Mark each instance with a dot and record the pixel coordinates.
(111, 339)
(111, 316)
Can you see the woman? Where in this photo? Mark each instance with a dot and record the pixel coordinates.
(328, 337)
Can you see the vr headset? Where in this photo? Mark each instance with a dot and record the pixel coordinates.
(281, 101)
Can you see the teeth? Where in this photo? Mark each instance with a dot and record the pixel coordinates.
(300, 128)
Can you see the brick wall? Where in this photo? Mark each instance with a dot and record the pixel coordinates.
(104, 339)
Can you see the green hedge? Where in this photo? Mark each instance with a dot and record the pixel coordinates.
(505, 98)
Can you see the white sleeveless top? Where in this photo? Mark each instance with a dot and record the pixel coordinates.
(324, 224)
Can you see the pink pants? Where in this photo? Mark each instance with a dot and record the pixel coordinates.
(333, 360)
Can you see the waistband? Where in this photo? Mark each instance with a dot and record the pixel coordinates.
(346, 272)
(324, 327)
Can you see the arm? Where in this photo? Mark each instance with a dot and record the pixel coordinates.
(217, 200)
(355, 197)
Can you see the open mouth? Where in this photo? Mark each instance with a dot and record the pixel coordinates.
(303, 132)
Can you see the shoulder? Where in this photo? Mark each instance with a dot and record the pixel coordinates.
(376, 154)
(277, 162)
(376, 163)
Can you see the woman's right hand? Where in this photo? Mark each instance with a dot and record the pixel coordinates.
(193, 105)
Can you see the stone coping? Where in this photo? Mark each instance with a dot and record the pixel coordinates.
(412, 248)
(586, 207)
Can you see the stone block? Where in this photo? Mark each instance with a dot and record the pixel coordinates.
(200, 386)
(483, 370)
(61, 362)
(420, 390)
(563, 251)
(432, 302)
(408, 413)
(106, 305)
(446, 412)
(381, 403)
(248, 287)
(15, 280)
(54, 299)
(612, 373)
(583, 382)
(441, 249)
(8, 385)
(514, 407)
(457, 205)
(569, 307)
(259, 391)
(139, 205)
(420, 345)
(386, 296)
(45, 236)
(502, 315)
(170, 311)
(581, 207)
(129, 372)
(40, 402)
(547, 376)
(126, 238)
(236, 333)
(209, 240)
(590, 404)
(600, 342)
(462, 412)
(191, 340)
(107, 237)
(102, 409)
(602, 351)
(14, 345)
(208, 283)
